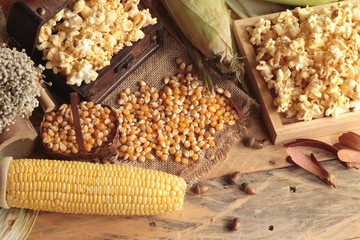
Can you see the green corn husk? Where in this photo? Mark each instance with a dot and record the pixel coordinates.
(303, 2)
(207, 26)
(252, 8)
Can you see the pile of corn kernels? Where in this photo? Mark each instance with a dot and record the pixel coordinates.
(177, 122)
(97, 125)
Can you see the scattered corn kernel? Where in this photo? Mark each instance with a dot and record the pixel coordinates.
(178, 121)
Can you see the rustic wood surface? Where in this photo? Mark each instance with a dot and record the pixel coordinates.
(290, 204)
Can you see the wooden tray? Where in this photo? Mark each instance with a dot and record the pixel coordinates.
(283, 129)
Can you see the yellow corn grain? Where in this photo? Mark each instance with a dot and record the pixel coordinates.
(88, 188)
(184, 116)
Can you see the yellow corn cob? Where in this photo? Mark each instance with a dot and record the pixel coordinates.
(88, 188)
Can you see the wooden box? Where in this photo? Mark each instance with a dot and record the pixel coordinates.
(283, 129)
(24, 22)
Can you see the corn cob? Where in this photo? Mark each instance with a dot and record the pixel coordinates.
(88, 188)
(206, 32)
(207, 25)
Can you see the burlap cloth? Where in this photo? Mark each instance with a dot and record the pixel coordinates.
(152, 71)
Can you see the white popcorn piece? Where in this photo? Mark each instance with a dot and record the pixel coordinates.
(89, 33)
(84, 73)
(309, 58)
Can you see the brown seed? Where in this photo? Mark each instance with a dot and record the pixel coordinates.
(200, 189)
(235, 224)
(234, 178)
(254, 143)
(247, 188)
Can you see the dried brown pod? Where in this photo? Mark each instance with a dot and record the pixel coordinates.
(349, 155)
(254, 143)
(350, 139)
(247, 188)
(303, 142)
(234, 178)
(345, 158)
(311, 164)
(200, 189)
(235, 224)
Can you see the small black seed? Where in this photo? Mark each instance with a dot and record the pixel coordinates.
(292, 189)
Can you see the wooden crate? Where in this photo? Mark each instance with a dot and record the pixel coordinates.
(23, 25)
(283, 129)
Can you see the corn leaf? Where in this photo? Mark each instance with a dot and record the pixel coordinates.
(303, 2)
(206, 24)
(252, 8)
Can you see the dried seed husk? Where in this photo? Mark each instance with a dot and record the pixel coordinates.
(253, 143)
(235, 224)
(350, 139)
(200, 189)
(247, 188)
(311, 164)
(349, 155)
(328, 178)
(312, 143)
(345, 158)
(234, 178)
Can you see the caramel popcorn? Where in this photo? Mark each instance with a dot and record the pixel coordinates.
(310, 58)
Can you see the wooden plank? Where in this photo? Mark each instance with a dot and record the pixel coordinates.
(309, 209)
(279, 128)
(272, 156)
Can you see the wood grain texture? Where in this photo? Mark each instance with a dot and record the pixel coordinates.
(272, 156)
(280, 128)
(312, 211)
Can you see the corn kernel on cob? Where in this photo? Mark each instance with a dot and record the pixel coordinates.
(88, 188)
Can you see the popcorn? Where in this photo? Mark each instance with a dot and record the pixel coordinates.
(310, 60)
(83, 37)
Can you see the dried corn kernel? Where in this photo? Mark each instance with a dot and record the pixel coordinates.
(96, 130)
(178, 121)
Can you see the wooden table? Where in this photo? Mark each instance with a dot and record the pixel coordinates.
(290, 204)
